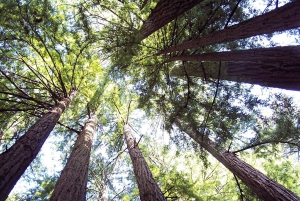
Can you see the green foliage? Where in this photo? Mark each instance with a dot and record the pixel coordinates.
(48, 48)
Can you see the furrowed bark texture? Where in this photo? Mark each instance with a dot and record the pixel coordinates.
(17, 158)
(281, 74)
(266, 188)
(284, 75)
(280, 54)
(148, 188)
(283, 18)
(72, 182)
(164, 12)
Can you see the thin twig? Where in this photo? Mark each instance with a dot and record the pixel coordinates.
(68, 127)
(238, 184)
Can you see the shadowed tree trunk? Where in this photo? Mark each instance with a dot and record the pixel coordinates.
(72, 182)
(164, 12)
(266, 188)
(283, 18)
(17, 158)
(279, 54)
(284, 75)
(148, 188)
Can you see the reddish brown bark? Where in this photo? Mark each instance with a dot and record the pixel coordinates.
(72, 182)
(266, 188)
(164, 12)
(149, 189)
(284, 18)
(284, 75)
(17, 158)
(280, 54)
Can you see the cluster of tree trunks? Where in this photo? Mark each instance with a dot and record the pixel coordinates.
(72, 182)
(15, 160)
(148, 188)
(271, 67)
(283, 18)
(265, 66)
(266, 188)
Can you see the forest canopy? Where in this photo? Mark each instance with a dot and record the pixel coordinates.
(149, 100)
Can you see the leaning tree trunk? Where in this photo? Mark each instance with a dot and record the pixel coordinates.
(149, 189)
(17, 158)
(284, 75)
(165, 12)
(283, 18)
(266, 188)
(72, 182)
(271, 67)
(277, 54)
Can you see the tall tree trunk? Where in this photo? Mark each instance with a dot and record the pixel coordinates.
(164, 12)
(149, 189)
(266, 188)
(17, 158)
(283, 18)
(279, 54)
(72, 182)
(284, 75)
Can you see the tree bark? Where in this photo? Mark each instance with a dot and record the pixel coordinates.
(72, 182)
(283, 18)
(164, 12)
(279, 54)
(266, 188)
(281, 74)
(148, 188)
(17, 158)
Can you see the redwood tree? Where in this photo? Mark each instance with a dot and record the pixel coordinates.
(266, 188)
(72, 182)
(148, 188)
(17, 158)
(165, 12)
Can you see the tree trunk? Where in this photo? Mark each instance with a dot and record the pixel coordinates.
(266, 188)
(72, 182)
(148, 188)
(164, 12)
(284, 75)
(283, 18)
(17, 158)
(277, 54)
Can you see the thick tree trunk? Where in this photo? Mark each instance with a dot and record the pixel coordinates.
(283, 18)
(266, 188)
(281, 74)
(17, 158)
(149, 189)
(72, 182)
(164, 12)
(279, 54)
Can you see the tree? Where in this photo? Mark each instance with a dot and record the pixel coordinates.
(71, 185)
(148, 188)
(163, 13)
(280, 19)
(263, 186)
(16, 159)
(277, 54)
